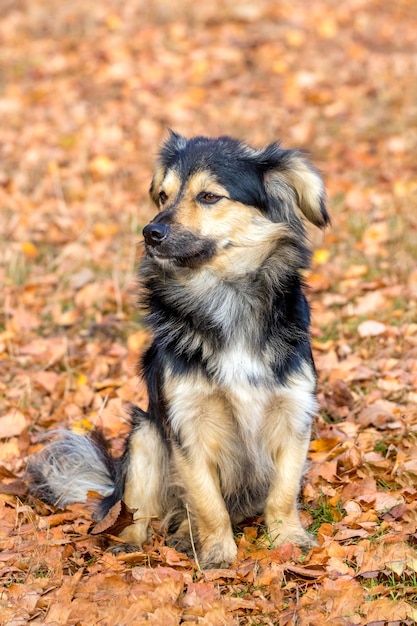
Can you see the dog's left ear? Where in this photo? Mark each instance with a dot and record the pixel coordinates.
(289, 173)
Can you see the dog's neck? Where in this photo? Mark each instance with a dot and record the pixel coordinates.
(225, 297)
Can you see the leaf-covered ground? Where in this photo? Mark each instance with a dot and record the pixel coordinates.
(87, 91)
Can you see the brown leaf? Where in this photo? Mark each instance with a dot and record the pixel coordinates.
(117, 519)
(341, 394)
(200, 595)
(325, 531)
(384, 610)
(325, 444)
(15, 488)
(174, 558)
(217, 574)
(47, 380)
(270, 572)
(6, 473)
(304, 572)
(12, 424)
(59, 518)
(374, 414)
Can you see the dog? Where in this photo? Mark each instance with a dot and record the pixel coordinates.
(230, 374)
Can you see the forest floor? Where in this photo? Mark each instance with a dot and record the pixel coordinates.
(87, 92)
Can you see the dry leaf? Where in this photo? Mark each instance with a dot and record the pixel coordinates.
(117, 519)
(371, 328)
(47, 380)
(12, 424)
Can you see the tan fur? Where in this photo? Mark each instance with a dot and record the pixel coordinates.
(156, 183)
(199, 479)
(171, 185)
(252, 239)
(309, 187)
(190, 212)
(301, 179)
(204, 181)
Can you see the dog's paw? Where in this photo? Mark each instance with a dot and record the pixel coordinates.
(219, 555)
(301, 539)
(280, 534)
(306, 541)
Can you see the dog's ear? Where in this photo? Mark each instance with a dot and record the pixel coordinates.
(289, 176)
(167, 155)
(173, 145)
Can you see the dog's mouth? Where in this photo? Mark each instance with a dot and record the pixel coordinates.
(177, 247)
(185, 260)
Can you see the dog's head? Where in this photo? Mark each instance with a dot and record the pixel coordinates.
(221, 201)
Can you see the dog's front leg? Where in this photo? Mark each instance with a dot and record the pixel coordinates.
(202, 434)
(281, 513)
(289, 442)
(217, 547)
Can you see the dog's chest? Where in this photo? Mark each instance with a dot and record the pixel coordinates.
(238, 365)
(244, 460)
(249, 406)
(246, 383)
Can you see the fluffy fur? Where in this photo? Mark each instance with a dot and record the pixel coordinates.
(230, 374)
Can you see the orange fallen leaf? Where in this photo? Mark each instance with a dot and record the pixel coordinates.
(137, 341)
(318, 282)
(12, 424)
(325, 531)
(47, 380)
(384, 610)
(324, 444)
(15, 488)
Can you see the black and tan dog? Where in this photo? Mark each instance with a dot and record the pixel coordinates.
(230, 374)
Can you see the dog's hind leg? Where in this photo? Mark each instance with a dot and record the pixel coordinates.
(146, 480)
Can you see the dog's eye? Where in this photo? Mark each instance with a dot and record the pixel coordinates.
(162, 197)
(208, 198)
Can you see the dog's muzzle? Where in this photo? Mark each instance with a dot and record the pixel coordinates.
(154, 233)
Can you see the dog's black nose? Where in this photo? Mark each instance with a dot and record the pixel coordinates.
(154, 234)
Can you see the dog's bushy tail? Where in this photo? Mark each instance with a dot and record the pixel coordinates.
(71, 466)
